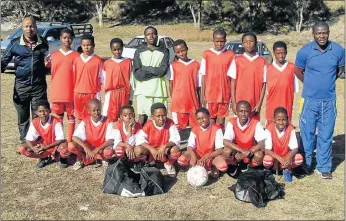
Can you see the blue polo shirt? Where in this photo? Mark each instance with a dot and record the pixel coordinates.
(320, 70)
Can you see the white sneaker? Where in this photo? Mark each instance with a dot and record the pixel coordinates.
(77, 165)
(170, 170)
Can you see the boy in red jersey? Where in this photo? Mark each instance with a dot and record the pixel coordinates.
(88, 77)
(159, 139)
(184, 87)
(281, 143)
(217, 66)
(62, 83)
(126, 129)
(117, 81)
(249, 81)
(244, 137)
(205, 145)
(281, 83)
(45, 136)
(93, 138)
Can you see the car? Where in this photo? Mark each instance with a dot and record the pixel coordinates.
(130, 48)
(262, 49)
(51, 32)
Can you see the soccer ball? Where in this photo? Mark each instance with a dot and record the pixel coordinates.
(197, 176)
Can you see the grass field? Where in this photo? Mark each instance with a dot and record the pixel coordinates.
(52, 193)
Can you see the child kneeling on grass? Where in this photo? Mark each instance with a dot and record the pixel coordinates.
(159, 139)
(45, 137)
(205, 145)
(93, 138)
(281, 144)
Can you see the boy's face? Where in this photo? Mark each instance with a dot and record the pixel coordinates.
(280, 54)
(117, 50)
(181, 52)
(281, 121)
(219, 42)
(87, 47)
(94, 110)
(159, 116)
(43, 113)
(151, 36)
(127, 115)
(66, 40)
(203, 119)
(249, 44)
(243, 113)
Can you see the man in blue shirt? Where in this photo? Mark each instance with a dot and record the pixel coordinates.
(318, 65)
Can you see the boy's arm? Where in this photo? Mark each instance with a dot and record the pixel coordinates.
(299, 73)
(233, 86)
(79, 136)
(162, 69)
(59, 137)
(138, 71)
(260, 137)
(31, 136)
(259, 105)
(141, 140)
(78, 141)
(203, 99)
(218, 145)
(228, 138)
(110, 135)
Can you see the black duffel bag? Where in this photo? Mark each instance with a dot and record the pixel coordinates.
(121, 179)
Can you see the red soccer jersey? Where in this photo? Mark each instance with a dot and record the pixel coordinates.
(119, 126)
(244, 138)
(118, 75)
(95, 135)
(205, 140)
(185, 79)
(217, 82)
(249, 79)
(86, 74)
(280, 145)
(62, 84)
(48, 134)
(280, 86)
(157, 137)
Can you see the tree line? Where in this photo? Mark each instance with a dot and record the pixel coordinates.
(236, 16)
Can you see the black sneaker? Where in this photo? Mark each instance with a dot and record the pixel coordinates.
(325, 175)
(306, 170)
(63, 163)
(233, 171)
(298, 172)
(42, 162)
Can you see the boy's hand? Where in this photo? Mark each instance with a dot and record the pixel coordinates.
(253, 149)
(160, 152)
(239, 156)
(256, 109)
(287, 162)
(201, 162)
(234, 109)
(89, 154)
(193, 161)
(153, 152)
(203, 101)
(96, 151)
(129, 152)
(132, 123)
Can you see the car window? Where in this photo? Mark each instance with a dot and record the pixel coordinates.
(265, 48)
(19, 32)
(168, 43)
(54, 33)
(135, 42)
(237, 48)
(162, 43)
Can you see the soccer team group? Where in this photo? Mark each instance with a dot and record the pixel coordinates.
(201, 96)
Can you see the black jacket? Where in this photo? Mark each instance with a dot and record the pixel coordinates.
(29, 64)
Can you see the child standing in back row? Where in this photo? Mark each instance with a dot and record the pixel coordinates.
(217, 66)
(281, 83)
(249, 81)
(117, 81)
(62, 84)
(88, 77)
(184, 87)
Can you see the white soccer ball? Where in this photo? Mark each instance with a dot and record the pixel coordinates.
(197, 176)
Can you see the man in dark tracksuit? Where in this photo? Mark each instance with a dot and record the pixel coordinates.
(30, 51)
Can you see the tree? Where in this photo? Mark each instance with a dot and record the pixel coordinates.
(301, 5)
(196, 8)
(100, 5)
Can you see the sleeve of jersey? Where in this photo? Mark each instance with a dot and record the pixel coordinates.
(268, 141)
(219, 139)
(80, 131)
(191, 142)
(202, 69)
(32, 133)
(229, 132)
(232, 71)
(117, 138)
(293, 143)
(265, 74)
(296, 84)
(101, 74)
(59, 132)
(174, 135)
(141, 138)
(259, 132)
(170, 74)
(110, 132)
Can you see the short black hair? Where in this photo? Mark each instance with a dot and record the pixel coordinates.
(94, 101)
(203, 110)
(320, 24)
(220, 31)
(157, 106)
(126, 106)
(88, 37)
(279, 44)
(150, 27)
(116, 40)
(42, 103)
(33, 19)
(67, 30)
(249, 34)
(280, 110)
(180, 42)
(243, 102)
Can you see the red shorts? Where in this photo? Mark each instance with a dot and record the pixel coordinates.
(61, 107)
(219, 110)
(81, 104)
(184, 119)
